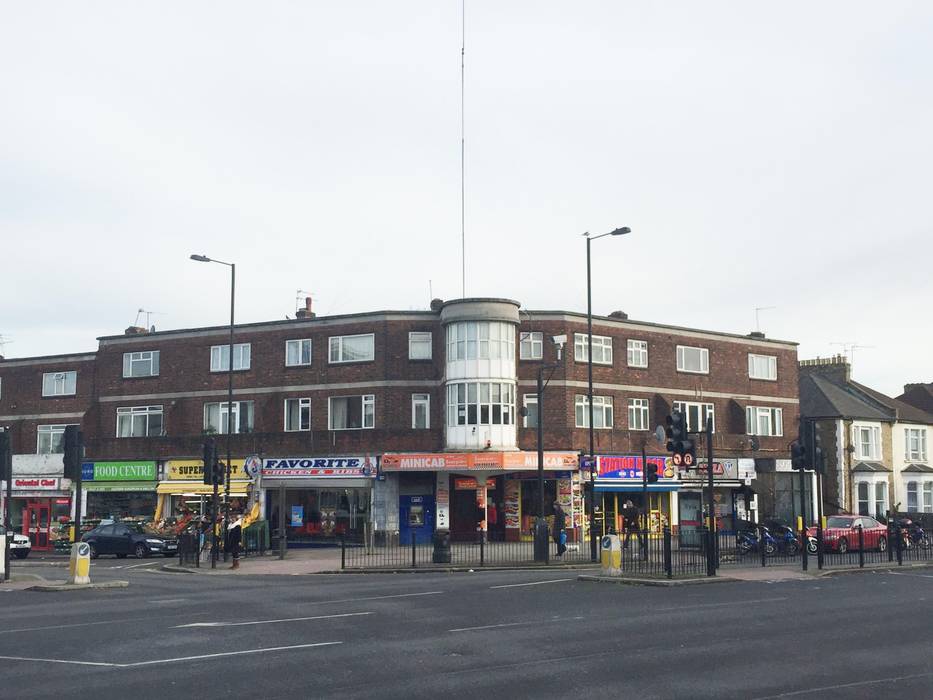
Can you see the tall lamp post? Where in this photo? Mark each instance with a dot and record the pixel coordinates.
(232, 266)
(541, 545)
(589, 374)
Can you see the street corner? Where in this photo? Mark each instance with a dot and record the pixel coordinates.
(62, 586)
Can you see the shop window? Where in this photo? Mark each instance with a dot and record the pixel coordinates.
(602, 349)
(483, 340)
(420, 411)
(602, 411)
(139, 421)
(531, 346)
(696, 414)
(637, 351)
(297, 415)
(913, 493)
(215, 417)
(480, 403)
(351, 412)
(141, 364)
(695, 360)
(49, 439)
(762, 367)
(419, 346)
(352, 348)
(298, 352)
(59, 383)
(638, 414)
(765, 422)
(530, 401)
(220, 357)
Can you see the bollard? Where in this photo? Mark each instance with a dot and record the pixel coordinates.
(804, 554)
(861, 547)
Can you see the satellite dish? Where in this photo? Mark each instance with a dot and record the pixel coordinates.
(660, 434)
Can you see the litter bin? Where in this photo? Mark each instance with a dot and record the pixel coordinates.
(611, 556)
(441, 553)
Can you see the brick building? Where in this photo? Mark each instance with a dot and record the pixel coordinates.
(399, 422)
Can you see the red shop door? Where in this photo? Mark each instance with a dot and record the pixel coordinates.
(36, 524)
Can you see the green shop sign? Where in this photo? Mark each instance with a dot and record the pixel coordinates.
(118, 471)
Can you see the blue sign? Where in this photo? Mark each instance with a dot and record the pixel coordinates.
(87, 471)
(298, 516)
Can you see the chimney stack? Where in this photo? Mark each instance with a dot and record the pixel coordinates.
(136, 330)
(619, 314)
(306, 312)
(836, 368)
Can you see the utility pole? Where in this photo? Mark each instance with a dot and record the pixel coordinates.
(712, 554)
(6, 474)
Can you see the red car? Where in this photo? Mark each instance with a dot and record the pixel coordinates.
(841, 533)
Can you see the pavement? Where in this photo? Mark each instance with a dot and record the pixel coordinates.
(490, 633)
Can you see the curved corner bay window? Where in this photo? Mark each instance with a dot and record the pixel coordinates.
(480, 340)
(480, 403)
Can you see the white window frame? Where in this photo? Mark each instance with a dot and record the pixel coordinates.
(65, 377)
(919, 436)
(335, 342)
(927, 504)
(770, 375)
(480, 403)
(480, 340)
(868, 498)
(530, 400)
(242, 354)
(133, 412)
(883, 501)
(366, 401)
(703, 410)
(682, 355)
(773, 415)
(602, 345)
(239, 409)
(874, 441)
(304, 404)
(638, 413)
(300, 344)
(51, 430)
(916, 495)
(602, 412)
(141, 358)
(423, 401)
(636, 352)
(531, 345)
(420, 338)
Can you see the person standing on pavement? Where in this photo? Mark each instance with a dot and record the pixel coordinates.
(234, 535)
(630, 523)
(560, 537)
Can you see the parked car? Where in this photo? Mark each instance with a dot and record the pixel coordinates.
(20, 547)
(841, 533)
(123, 539)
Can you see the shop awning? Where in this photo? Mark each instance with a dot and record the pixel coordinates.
(199, 488)
(119, 486)
(630, 488)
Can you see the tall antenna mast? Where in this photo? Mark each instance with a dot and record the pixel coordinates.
(462, 151)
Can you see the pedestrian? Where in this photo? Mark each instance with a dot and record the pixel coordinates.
(234, 535)
(630, 523)
(560, 537)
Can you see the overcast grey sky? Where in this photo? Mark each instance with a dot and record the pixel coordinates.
(764, 155)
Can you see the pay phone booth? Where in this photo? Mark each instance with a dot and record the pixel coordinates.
(416, 517)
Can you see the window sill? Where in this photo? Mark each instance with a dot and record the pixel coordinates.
(692, 371)
(287, 366)
(350, 362)
(637, 366)
(763, 379)
(595, 362)
(343, 430)
(225, 371)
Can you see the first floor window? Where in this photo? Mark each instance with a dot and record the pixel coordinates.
(602, 349)
(220, 357)
(480, 403)
(352, 348)
(298, 352)
(691, 359)
(419, 346)
(696, 414)
(215, 417)
(141, 364)
(913, 501)
(762, 367)
(602, 411)
(637, 353)
(420, 411)
(531, 346)
(766, 422)
(867, 441)
(297, 414)
(916, 444)
(530, 402)
(881, 498)
(50, 438)
(59, 383)
(638, 414)
(351, 412)
(139, 421)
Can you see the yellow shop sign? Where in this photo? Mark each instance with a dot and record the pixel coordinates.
(193, 469)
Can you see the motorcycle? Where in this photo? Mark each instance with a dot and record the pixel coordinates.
(747, 541)
(786, 540)
(913, 534)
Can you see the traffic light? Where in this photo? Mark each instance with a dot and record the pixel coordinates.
(73, 448)
(210, 459)
(220, 475)
(679, 442)
(651, 473)
(6, 456)
(798, 455)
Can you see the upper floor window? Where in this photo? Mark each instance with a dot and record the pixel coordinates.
(638, 414)
(351, 412)
(352, 348)
(480, 403)
(419, 345)
(696, 414)
(220, 357)
(765, 422)
(139, 421)
(637, 353)
(602, 349)
(482, 340)
(531, 346)
(215, 417)
(602, 410)
(915, 447)
(49, 439)
(762, 367)
(59, 383)
(297, 415)
(530, 402)
(298, 352)
(420, 411)
(690, 359)
(867, 441)
(141, 364)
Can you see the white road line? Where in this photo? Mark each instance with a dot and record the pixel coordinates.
(94, 624)
(136, 566)
(717, 605)
(533, 583)
(904, 573)
(854, 684)
(515, 624)
(375, 597)
(59, 661)
(269, 622)
(167, 601)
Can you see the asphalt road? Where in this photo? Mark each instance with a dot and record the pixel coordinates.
(488, 634)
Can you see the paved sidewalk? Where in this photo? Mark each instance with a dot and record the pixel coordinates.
(297, 562)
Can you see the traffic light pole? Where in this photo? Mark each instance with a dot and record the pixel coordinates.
(644, 484)
(6, 470)
(712, 550)
(589, 381)
(214, 527)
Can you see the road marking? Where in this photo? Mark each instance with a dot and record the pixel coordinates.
(718, 605)
(94, 624)
(375, 597)
(903, 573)
(855, 684)
(516, 624)
(137, 566)
(59, 661)
(168, 601)
(533, 583)
(269, 622)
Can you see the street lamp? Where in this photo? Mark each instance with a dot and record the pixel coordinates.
(232, 266)
(589, 372)
(541, 545)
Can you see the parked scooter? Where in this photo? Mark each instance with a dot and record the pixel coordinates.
(912, 534)
(786, 540)
(747, 541)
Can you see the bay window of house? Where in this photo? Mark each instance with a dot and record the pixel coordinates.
(763, 421)
(59, 383)
(419, 346)
(862, 489)
(352, 348)
(215, 417)
(49, 439)
(915, 444)
(351, 412)
(530, 402)
(531, 346)
(420, 411)
(141, 364)
(483, 340)
(690, 359)
(220, 357)
(139, 421)
(867, 440)
(298, 352)
(297, 415)
(637, 351)
(602, 349)
(602, 410)
(638, 414)
(480, 403)
(913, 497)
(762, 367)
(696, 414)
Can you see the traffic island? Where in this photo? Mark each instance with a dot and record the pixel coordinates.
(58, 586)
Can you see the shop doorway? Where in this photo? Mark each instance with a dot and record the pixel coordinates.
(464, 515)
(36, 517)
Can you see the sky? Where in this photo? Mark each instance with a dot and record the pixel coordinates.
(763, 155)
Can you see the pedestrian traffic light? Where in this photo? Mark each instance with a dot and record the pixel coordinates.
(210, 457)
(219, 472)
(798, 455)
(679, 443)
(72, 447)
(651, 473)
(6, 456)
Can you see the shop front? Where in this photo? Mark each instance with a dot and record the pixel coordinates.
(324, 499)
(183, 496)
(474, 495)
(118, 490)
(620, 479)
(40, 508)
(727, 496)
